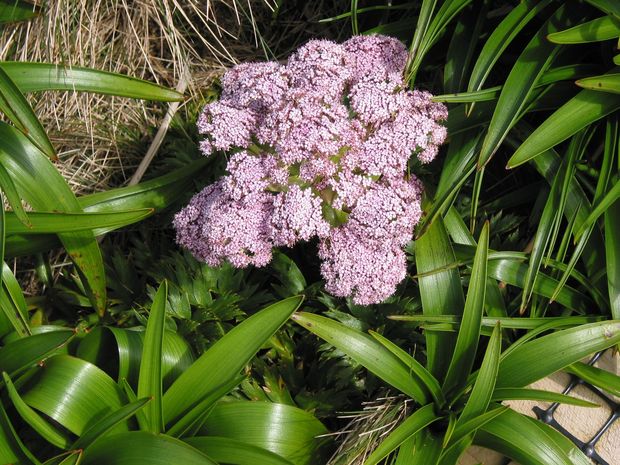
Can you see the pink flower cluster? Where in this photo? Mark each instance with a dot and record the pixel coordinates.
(319, 147)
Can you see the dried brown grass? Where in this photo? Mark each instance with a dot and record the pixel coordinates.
(101, 139)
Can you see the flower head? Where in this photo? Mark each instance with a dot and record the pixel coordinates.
(320, 148)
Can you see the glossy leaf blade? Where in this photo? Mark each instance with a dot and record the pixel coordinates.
(482, 391)
(27, 166)
(469, 331)
(527, 70)
(528, 441)
(582, 110)
(74, 393)
(150, 378)
(287, 431)
(604, 83)
(502, 394)
(17, 109)
(142, 448)
(23, 353)
(417, 421)
(103, 426)
(612, 255)
(235, 452)
(225, 359)
(500, 39)
(528, 362)
(40, 425)
(606, 380)
(33, 77)
(13, 11)
(441, 292)
(605, 28)
(416, 368)
(58, 223)
(366, 351)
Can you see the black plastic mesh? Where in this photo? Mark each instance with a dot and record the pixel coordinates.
(589, 447)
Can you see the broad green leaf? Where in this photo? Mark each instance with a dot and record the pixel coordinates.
(13, 304)
(74, 393)
(527, 70)
(424, 448)
(459, 233)
(441, 292)
(424, 18)
(582, 110)
(225, 359)
(547, 165)
(469, 333)
(415, 367)
(553, 75)
(17, 109)
(142, 448)
(501, 394)
(579, 248)
(480, 396)
(119, 350)
(150, 378)
(109, 422)
(508, 267)
(287, 431)
(528, 441)
(417, 421)
(604, 83)
(605, 28)
(500, 39)
(606, 6)
(612, 145)
(12, 11)
(34, 77)
(12, 450)
(600, 208)
(156, 193)
(56, 223)
(550, 218)
(235, 452)
(462, 48)
(612, 253)
(431, 27)
(469, 427)
(27, 166)
(30, 416)
(506, 322)
(25, 352)
(458, 166)
(193, 420)
(15, 201)
(603, 379)
(528, 363)
(366, 351)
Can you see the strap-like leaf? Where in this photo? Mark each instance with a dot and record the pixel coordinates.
(34, 77)
(150, 379)
(418, 420)
(469, 331)
(527, 363)
(225, 359)
(366, 351)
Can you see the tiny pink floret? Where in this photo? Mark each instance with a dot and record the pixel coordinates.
(320, 147)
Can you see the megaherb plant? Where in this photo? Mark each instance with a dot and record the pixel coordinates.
(163, 408)
(508, 74)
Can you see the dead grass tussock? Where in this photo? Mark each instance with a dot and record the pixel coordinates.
(101, 139)
(367, 428)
